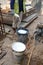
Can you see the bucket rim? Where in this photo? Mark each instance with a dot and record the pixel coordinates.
(22, 29)
(18, 51)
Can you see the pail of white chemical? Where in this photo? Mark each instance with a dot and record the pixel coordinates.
(18, 51)
(22, 34)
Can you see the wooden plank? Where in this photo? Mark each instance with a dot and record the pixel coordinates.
(30, 55)
(27, 21)
(30, 17)
(30, 11)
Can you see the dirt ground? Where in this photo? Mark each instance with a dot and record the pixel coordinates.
(37, 56)
(6, 43)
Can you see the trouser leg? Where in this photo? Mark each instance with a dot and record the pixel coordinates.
(14, 24)
(17, 21)
(20, 19)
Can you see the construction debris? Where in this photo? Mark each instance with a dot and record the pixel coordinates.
(2, 54)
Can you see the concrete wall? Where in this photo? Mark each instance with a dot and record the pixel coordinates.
(37, 4)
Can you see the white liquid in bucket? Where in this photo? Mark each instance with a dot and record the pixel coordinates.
(22, 31)
(18, 47)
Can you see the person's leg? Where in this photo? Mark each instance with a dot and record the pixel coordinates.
(14, 23)
(12, 4)
(21, 15)
(19, 19)
(20, 2)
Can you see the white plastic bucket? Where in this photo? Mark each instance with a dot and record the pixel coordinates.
(18, 51)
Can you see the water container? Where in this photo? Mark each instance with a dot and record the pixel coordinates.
(22, 35)
(18, 51)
